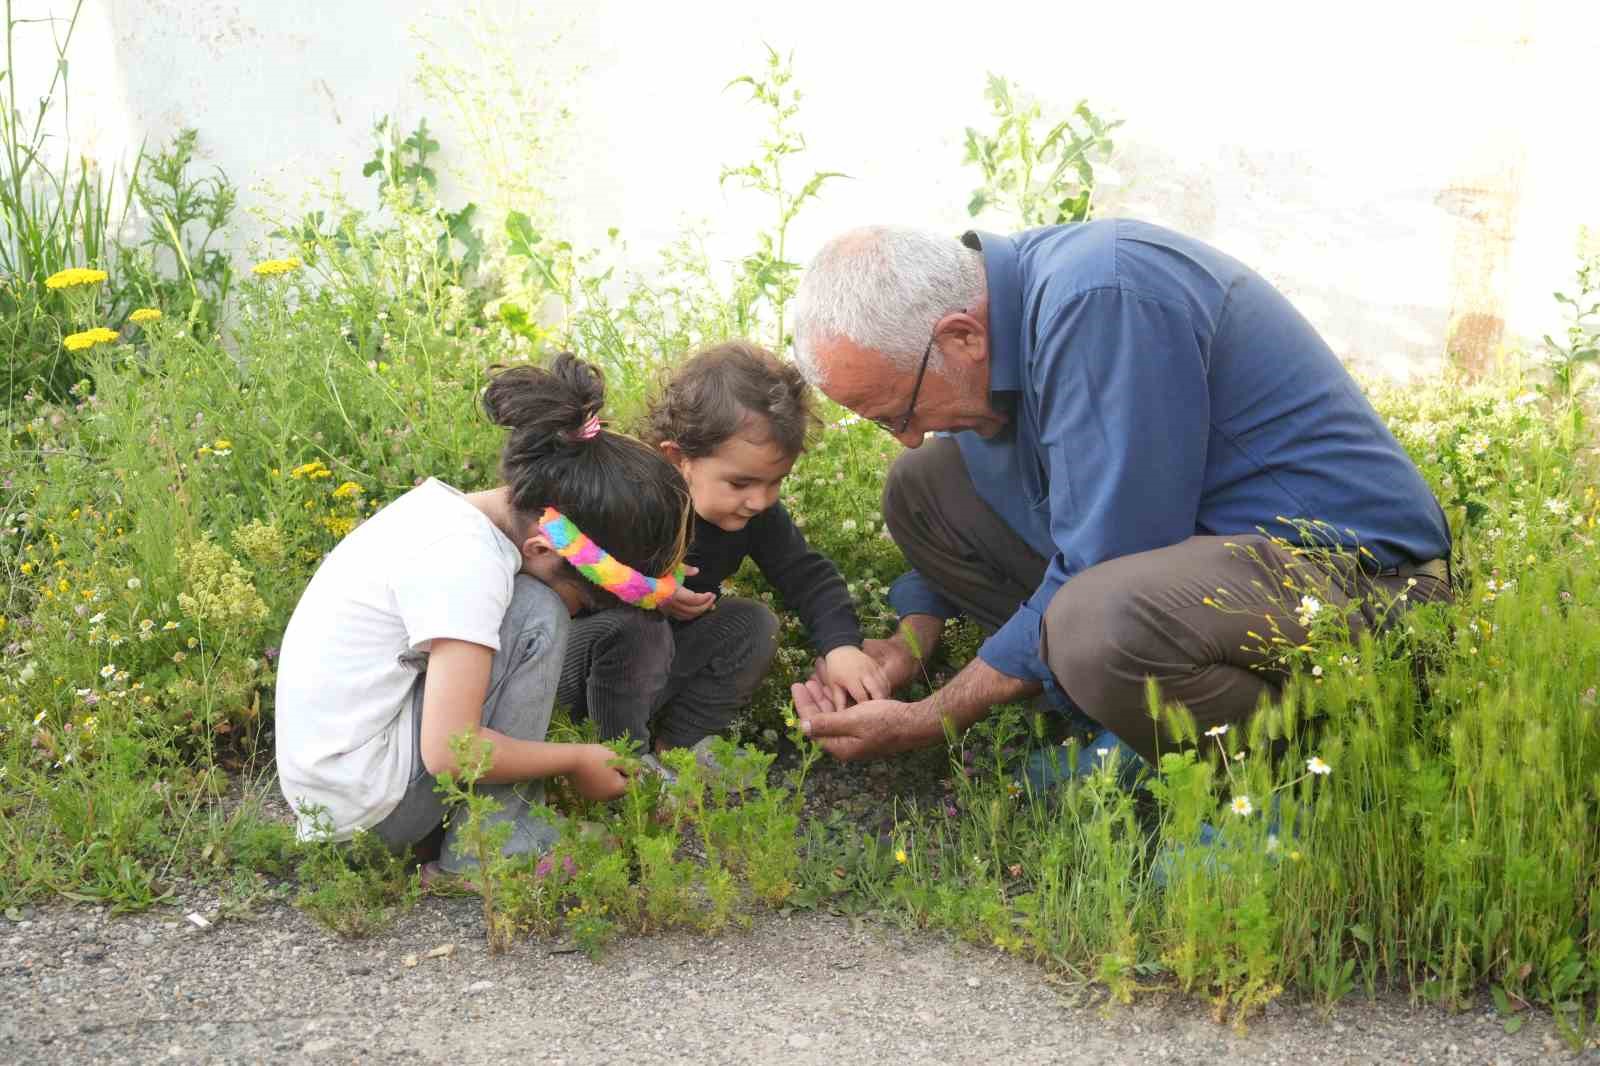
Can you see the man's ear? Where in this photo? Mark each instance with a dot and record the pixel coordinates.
(964, 336)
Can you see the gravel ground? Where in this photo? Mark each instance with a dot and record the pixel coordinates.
(81, 986)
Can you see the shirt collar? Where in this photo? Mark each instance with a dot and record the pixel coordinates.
(1005, 308)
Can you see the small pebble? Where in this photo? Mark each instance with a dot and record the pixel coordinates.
(479, 986)
(973, 982)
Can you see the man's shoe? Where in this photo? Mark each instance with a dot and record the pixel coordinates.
(1050, 767)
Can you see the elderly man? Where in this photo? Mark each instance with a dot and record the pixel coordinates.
(1133, 431)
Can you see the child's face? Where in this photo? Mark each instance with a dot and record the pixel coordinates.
(736, 482)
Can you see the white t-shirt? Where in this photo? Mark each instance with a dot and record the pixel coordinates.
(428, 566)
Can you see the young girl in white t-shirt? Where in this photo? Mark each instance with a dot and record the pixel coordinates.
(447, 612)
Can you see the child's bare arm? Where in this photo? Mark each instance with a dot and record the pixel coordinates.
(452, 703)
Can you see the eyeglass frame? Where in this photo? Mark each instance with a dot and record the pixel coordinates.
(916, 389)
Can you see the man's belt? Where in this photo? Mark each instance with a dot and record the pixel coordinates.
(1438, 569)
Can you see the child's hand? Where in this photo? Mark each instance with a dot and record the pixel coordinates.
(593, 775)
(683, 604)
(851, 672)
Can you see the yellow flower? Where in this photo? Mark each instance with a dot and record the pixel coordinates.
(144, 314)
(313, 469)
(74, 276)
(272, 267)
(338, 525)
(900, 856)
(347, 490)
(77, 342)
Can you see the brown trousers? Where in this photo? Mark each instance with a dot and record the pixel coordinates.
(1114, 626)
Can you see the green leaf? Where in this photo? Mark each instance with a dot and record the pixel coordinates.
(522, 237)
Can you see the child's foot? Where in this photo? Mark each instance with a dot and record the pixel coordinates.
(435, 878)
(738, 776)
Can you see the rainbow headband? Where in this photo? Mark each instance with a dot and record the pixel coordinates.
(596, 564)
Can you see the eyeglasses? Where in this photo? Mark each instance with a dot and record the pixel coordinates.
(911, 408)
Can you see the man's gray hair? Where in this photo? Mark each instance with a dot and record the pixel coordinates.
(883, 288)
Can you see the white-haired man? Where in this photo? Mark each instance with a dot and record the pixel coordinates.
(1130, 428)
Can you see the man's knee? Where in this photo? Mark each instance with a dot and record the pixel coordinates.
(1084, 630)
(914, 483)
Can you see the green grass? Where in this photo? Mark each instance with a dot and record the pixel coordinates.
(160, 517)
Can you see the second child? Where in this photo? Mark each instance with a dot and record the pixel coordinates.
(733, 419)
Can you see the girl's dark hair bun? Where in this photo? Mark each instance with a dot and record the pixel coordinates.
(618, 490)
(546, 406)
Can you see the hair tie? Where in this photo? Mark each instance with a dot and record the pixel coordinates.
(590, 428)
(603, 569)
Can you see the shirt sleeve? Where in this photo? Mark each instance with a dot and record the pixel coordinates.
(457, 589)
(1124, 419)
(911, 593)
(807, 580)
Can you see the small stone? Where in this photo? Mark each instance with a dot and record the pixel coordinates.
(799, 1040)
(973, 982)
(24, 924)
(479, 986)
(319, 1047)
(145, 940)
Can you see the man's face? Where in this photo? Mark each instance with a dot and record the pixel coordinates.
(953, 397)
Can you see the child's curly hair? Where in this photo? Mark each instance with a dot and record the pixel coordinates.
(732, 389)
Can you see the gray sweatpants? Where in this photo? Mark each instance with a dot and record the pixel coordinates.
(1113, 626)
(522, 692)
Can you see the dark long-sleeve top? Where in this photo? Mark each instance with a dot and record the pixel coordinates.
(809, 583)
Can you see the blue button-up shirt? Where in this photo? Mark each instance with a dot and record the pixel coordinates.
(1159, 390)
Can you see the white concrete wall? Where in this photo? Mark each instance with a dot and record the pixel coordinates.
(1411, 172)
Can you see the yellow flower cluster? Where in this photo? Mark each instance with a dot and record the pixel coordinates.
(77, 342)
(144, 314)
(338, 525)
(273, 267)
(262, 542)
(73, 277)
(219, 590)
(346, 491)
(311, 471)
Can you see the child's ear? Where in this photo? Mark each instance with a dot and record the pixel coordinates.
(673, 453)
(536, 546)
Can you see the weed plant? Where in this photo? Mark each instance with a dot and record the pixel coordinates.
(165, 498)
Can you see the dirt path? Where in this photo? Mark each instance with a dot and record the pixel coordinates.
(81, 987)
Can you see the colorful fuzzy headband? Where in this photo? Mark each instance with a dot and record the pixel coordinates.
(596, 564)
